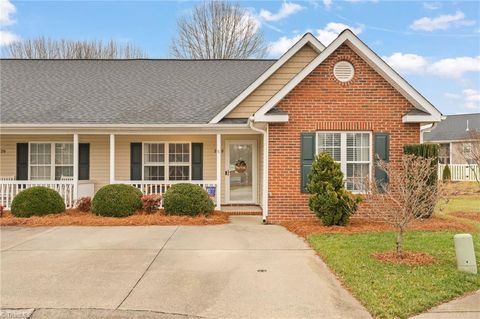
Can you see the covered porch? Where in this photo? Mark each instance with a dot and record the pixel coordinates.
(228, 165)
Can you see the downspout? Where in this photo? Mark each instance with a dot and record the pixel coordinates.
(427, 128)
(251, 121)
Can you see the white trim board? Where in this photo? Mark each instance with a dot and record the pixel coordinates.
(308, 38)
(347, 36)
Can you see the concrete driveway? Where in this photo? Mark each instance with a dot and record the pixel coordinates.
(240, 270)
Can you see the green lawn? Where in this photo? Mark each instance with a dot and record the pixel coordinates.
(400, 291)
(391, 291)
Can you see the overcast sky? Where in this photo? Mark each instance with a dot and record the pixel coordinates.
(434, 45)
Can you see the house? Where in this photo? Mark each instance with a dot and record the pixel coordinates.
(245, 130)
(454, 135)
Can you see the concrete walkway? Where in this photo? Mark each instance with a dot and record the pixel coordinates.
(241, 270)
(467, 307)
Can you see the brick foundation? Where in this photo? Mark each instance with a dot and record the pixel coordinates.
(322, 103)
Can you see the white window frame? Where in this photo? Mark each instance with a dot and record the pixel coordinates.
(167, 163)
(53, 165)
(343, 152)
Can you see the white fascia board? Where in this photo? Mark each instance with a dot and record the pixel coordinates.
(373, 60)
(307, 38)
(277, 118)
(420, 119)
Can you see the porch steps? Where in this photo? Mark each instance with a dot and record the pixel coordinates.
(242, 210)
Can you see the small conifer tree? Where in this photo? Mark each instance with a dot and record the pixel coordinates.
(329, 199)
(447, 175)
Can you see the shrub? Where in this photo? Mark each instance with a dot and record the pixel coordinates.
(187, 199)
(84, 204)
(117, 200)
(426, 151)
(151, 203)
(329, 199)
(37, 201)
(447, 175)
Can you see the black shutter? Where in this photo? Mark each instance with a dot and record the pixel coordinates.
(83, 161)
(22, 161)
(307, 155)
(197, 161)
(381, 151)
(136, 161)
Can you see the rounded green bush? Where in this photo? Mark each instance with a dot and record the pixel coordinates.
(117, 200)
(187, 199)
(37, 201)
(447, 175)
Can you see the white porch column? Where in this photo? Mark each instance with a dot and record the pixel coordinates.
(218, 150)
(75, 166)
(265, 176)
(112, 158)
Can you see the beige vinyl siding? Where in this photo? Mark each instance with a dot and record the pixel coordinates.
(99, 153)
(122, 152)
(274, 83)
(457, 156)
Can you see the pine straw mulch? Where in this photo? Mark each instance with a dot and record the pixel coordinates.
(358, 225)
(73, 217)
(468, 215)
(411, 258)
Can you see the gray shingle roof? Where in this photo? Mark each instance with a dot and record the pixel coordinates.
(121, 91)
(453, 128)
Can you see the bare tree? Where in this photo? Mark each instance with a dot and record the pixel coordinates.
(472, 156)
(218, 30)
(46, 48)
(409, 194)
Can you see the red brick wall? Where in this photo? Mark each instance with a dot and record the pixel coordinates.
(320, 102)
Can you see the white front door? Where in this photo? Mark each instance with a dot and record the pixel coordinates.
(241, 172)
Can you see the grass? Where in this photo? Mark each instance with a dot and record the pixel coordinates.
(400, 291)
(392, 290)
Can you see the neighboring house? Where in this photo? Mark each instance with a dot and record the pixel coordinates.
(246, 130)
(454, 137)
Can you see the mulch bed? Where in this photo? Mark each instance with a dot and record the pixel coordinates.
(357, 225)
(408, 258)
(73, 217)
(468, 215)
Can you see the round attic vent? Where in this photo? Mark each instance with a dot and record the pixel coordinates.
(343, 71)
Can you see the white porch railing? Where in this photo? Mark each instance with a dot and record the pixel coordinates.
(10, 188)
(461, 172)
(160, 187)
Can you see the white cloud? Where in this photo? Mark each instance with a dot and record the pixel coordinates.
(455, 67)
(432, 5)
(7, 9)
(7, 38)
(280, 46)
(325, 35)
(468, 98)
(327, 3)
(471, 99)
(332, 30)
(358, 1)
(442, 22)
(407, 63)
(287, 9)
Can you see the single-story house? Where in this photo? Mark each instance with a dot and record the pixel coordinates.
(454, 136)
(245, 130)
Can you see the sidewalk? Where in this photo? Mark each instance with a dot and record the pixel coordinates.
(467, 307)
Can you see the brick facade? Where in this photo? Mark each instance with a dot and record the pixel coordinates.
(320, 102)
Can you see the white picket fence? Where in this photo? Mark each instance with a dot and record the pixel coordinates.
(160, 187)
(461, 172)
(10, 188)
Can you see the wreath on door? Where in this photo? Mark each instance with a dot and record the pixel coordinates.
(240, 166)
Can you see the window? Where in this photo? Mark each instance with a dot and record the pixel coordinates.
(353, 151)
(444, 154)
(51, 161)
(159, 158)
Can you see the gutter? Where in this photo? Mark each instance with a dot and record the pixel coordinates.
(251, 121)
